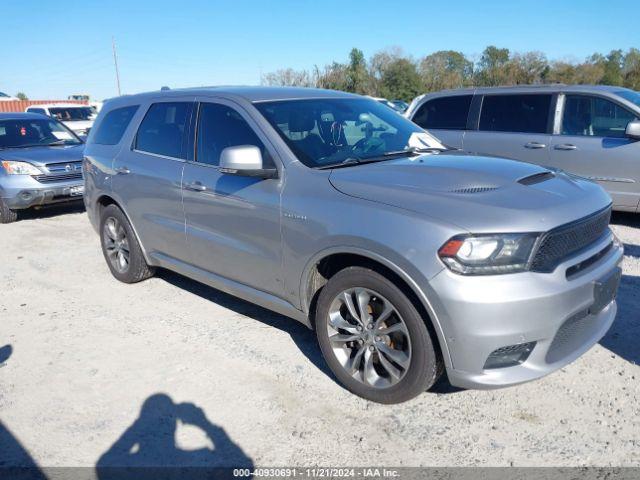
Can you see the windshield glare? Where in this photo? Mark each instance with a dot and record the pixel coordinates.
(330, 131)
(69, 114)
(34, 132)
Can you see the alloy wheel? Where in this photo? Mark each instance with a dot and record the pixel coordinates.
(116, 244)
(369, 337)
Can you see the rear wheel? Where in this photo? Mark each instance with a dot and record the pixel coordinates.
(6, 214)
(373, 338)
(120, 247)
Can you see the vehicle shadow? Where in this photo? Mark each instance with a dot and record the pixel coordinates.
(622, 337)
(15, 461)
(49, 211)
(632, 250)
(303, 337)
(149, 447)
(626, 218)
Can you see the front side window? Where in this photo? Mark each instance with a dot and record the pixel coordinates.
(163, 130)
(329, 131)
(112, 127)
(445, 113)
(20, 133)
(70, 114)
(220, 127)
(594, 117)
(527, 113)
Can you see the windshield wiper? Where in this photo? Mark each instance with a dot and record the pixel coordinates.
(56, 143)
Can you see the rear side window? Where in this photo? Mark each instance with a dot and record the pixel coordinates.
(37, 110)
(446, 113)
(164, 129)
(594, 117)
(112, 127)
(515, 113)
(220, 127)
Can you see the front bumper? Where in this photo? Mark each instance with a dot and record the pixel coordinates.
(480, 314)
(30, 193)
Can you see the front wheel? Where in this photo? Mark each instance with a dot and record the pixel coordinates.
(373, 338)
(6, 214)
(120, 247)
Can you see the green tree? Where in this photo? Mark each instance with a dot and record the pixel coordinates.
(400, 80)
(445, 69)
(357, 80)
(613, 68)
(491, 69)
(22, 96)
(631, 69)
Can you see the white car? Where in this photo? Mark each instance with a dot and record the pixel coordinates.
(76, 117)
(7, 98)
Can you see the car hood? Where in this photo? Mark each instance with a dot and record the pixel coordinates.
(479, 194)
(42, 155)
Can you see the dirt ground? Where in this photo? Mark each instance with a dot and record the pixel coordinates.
(97, 372)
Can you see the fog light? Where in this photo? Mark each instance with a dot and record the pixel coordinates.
(509, 356)
(26, 195)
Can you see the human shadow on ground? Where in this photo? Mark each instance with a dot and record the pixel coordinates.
(15, 461)
(149, 448)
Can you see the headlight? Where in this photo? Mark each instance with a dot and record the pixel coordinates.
(488, 254)
(19, 168)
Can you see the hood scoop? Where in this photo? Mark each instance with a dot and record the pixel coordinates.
(536, 178)
(474, 189)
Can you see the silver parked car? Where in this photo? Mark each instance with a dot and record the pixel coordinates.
(591, 131)
(40, 163)
(406, 258)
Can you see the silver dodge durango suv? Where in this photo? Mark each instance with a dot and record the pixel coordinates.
(407, 258)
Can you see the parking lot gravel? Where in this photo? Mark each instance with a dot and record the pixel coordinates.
(86, 359)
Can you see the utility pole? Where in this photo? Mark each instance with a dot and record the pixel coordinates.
(115, 62)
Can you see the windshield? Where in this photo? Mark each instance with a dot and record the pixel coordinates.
(329, 131)
(18, 133)
(70, 114)
(631, 95)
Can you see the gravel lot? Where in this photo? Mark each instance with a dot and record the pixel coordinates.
(86, 353)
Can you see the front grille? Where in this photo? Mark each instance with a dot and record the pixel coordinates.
(562, 242)
(572, 335)
(58, 178)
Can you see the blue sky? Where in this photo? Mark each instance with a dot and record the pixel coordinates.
(54, 48)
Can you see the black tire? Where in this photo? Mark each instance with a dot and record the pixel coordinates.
(6, 214)
(425, 365)
(136, 269)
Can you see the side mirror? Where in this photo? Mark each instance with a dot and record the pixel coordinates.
(633, 130)
(245, 160)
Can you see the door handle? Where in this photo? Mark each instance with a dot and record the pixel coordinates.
(123, 171)
(565, 146)
(195, 187)
(534, 145)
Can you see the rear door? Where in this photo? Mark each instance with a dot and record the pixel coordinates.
(445, 118)
(516, 126)
(591, 142)
(148, 176)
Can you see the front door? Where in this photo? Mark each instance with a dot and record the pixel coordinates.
(232, 222)
(591, 142)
